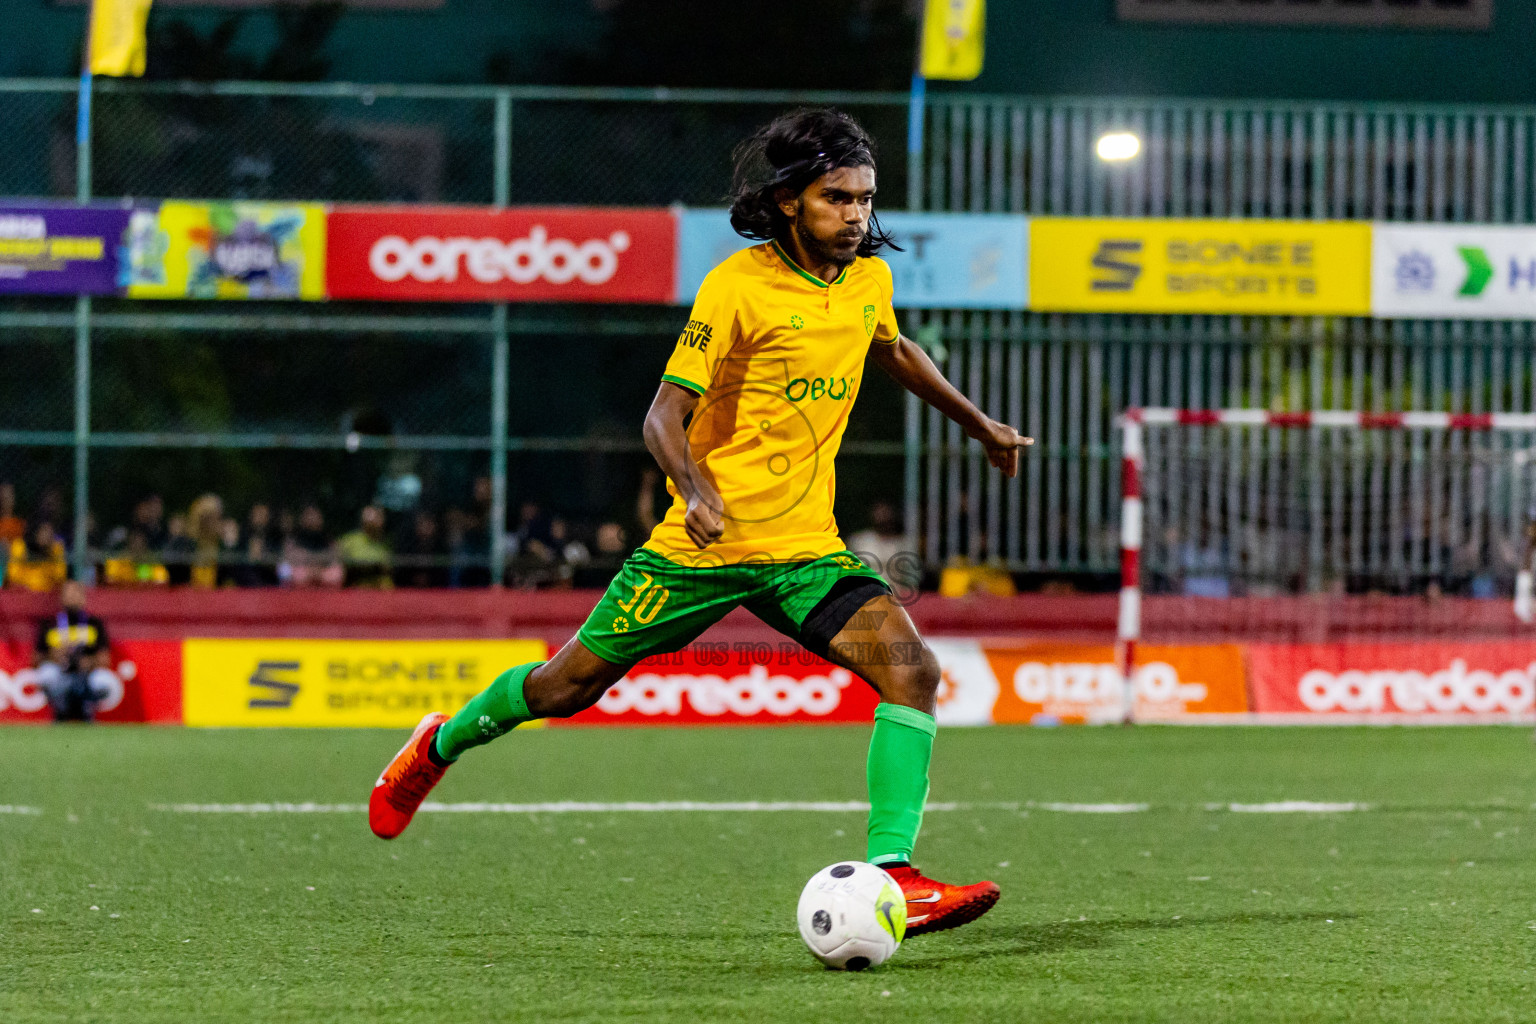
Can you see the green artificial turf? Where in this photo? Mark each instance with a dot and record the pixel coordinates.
(1419, 908)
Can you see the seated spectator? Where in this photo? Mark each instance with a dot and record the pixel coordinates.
(205, 520)
(12, 526)
(422, 555)
(72, 660)
(364, 553)
(37, 561)
(307, 557)
(883, 540)
(610, 548)
(260, 548)
(180, 549)
(135, 565)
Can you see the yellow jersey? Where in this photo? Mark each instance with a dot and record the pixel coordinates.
(777, 356)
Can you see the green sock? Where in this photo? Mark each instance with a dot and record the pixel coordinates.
(498, 709)
(899, 752)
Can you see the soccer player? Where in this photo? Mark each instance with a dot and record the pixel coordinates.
(746, 425)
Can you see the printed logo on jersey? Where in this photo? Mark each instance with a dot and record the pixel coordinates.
(796, 322)
(696, 335)
(869, 321)
(835, 388)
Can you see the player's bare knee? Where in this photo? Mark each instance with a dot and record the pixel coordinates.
(915, 682)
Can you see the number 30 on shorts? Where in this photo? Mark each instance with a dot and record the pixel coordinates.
(644, 605)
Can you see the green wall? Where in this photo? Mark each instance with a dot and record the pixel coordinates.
(1060, 47)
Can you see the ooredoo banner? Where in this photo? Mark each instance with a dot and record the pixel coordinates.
(525, 254)
(744, 684)
(1057, 682)
(143, 684)
(60, 250)
(1455, 681)
(340, 682)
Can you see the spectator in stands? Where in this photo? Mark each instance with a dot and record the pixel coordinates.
(307, 557)
(149, 519)
(12, 526)
(135, 566)
(260, 549)
(536, 554)
(179, 550)
(37, 561)
(610, 546)
(72, 660)
(423, 553)
(50, 508)
(205, 527)
(883, 539)
(364, 553)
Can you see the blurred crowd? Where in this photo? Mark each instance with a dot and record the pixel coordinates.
(209, 546)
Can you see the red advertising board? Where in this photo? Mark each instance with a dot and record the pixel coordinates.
(523, 254)
(1423, 680)
(746, 684)
(145, 684)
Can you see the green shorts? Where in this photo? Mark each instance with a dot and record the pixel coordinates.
(655, 606)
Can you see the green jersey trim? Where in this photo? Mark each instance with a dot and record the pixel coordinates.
(690, 385)
(792, 265)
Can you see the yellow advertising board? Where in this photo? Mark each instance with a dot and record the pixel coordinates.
(227, 251)
(389, 683)
(1146, 265)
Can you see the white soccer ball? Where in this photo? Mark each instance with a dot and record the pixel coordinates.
(852, 916)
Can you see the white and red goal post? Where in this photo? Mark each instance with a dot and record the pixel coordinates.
(1321, 505)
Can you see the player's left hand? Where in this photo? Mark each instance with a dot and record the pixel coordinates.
(1002, 443)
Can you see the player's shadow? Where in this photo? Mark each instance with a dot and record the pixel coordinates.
(1024, 940)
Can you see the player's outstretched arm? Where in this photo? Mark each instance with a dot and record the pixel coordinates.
(907, 363)
(667, 440)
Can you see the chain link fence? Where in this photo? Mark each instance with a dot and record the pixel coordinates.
(345, 404)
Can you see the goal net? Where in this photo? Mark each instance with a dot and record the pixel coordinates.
(1365, 562)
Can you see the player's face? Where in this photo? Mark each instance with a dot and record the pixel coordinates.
(831, 217)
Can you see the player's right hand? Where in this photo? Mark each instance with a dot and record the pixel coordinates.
(703, 520)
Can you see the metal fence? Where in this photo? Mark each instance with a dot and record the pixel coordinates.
(111, 394)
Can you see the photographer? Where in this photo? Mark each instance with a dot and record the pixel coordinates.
(71, 658)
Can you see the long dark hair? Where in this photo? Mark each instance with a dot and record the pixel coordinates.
(790, 152)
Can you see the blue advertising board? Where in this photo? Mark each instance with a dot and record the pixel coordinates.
(50, 249)
(950, 260)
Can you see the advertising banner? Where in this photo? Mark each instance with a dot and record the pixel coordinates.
(950, 260)
(1199, 266)
(60, 250)
(527, 254)
(1063, 682)
(1458, 681)
(143, 685)
(736, 684)
(227, 251)
(340, 682)
(1453, 270)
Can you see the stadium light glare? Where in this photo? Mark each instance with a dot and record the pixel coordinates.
(1117, 147)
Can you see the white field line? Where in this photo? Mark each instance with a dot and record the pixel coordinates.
(19, 809)
(1290, 807)
(741, 806)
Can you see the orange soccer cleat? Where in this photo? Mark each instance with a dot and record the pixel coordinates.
(933, 906)
(406, 781)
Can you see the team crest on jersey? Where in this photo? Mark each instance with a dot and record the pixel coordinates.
(869, 321)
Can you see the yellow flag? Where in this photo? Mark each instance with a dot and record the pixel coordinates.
(954, 33)
(117, 36)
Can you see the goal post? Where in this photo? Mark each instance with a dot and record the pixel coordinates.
(1342, 506)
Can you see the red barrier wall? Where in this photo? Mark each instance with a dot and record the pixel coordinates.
(555, 615)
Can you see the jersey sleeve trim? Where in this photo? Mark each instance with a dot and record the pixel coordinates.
(690, 385)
